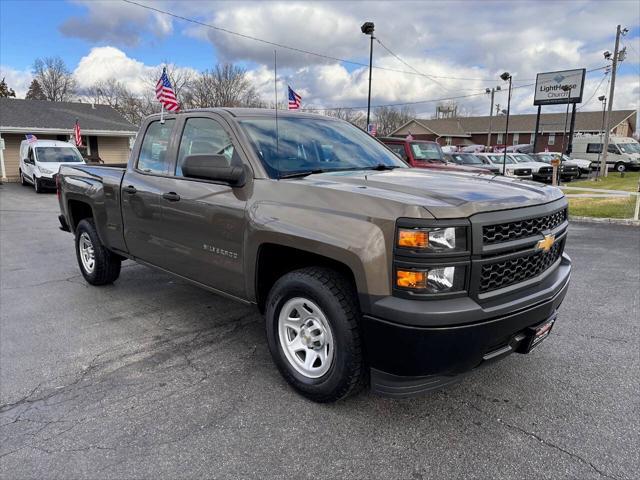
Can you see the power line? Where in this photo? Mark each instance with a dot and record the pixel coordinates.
(295, 49)
(418, 102)
(594, 92)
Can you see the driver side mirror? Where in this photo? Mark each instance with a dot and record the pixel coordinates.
(213, 167)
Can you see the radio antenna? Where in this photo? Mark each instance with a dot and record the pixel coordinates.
(275, 89)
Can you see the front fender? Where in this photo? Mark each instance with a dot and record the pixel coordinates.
(356, 241)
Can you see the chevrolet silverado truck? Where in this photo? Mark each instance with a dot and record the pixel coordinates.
(367, 271)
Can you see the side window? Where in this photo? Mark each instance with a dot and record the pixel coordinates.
(594, 148)
(153, 153)
(398, 149)
(613, 149)
(30, 154)
(204, 136)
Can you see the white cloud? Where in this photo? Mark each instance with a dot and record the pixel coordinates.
(19, 80)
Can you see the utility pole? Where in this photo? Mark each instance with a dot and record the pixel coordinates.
(492, 91)
(614, 67)
(368, 28)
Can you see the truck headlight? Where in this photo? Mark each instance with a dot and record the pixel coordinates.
(46, 171)
(433, 280)
(433, 239)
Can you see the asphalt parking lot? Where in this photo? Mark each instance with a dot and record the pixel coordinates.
(152, 377)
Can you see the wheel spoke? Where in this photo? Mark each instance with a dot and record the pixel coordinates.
(296, 345)
(310, 359)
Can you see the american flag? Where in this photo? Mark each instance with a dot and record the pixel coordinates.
(295, 100)
(372, 129)
(31, 138)
(165, 94)
(77, 135)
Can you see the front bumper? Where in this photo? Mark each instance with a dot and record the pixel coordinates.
(47, 182)
(415, 346)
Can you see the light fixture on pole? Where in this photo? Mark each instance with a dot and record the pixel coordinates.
(491, 91)
(368, 28)
(506, 76)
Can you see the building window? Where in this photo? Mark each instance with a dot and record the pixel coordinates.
(552, 139)
(516, 138)
(500, 139)
(448, 140)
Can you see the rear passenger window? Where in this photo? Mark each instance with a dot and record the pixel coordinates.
(204, 136)
(594, 148)
(153, 154)
(397, 149)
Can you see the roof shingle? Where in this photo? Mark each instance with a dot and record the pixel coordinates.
(36, 114)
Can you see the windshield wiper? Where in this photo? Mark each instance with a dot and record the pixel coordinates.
(381, 167)
(303, 173)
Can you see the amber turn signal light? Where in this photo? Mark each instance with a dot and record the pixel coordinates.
(411, 279)
(413, 238)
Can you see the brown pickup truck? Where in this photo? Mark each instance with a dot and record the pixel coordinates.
(366, 270)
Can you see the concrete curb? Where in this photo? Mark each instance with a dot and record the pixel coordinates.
(618, 221)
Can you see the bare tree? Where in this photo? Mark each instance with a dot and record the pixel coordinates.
(55, 79)
(355, 117)
(388, 119)
(226, 85)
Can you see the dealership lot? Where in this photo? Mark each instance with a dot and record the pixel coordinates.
(154, 377)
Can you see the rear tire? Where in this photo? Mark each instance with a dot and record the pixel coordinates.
(313, 312)
(99, 266)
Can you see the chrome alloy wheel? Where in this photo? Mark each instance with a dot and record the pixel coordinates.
(87, 254)
(305, 337)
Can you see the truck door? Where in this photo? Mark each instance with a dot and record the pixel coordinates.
(142, 190)
(204, 222)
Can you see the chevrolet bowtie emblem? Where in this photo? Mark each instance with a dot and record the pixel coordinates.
(546, 244)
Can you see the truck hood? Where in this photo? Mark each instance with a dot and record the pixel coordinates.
(54, 167)
(443, 194)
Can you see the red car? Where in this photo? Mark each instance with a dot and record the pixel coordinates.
(424, 154)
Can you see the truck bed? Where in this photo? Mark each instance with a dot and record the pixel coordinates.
(98, 186)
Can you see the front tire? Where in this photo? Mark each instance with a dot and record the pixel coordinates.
(36, 184)
(620, 167)
(23, 181)
(312, 323)
(99, 266)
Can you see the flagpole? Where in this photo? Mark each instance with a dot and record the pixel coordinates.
(161, 113)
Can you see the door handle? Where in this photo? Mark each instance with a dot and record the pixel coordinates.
(171, 196)
(130, 189)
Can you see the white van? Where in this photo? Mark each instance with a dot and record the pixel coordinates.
(40, 160)
(623, 152)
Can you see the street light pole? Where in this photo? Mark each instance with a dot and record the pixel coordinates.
(368, 28)
(492, 91)
(506, 76)
(566, 88)
(603, 99)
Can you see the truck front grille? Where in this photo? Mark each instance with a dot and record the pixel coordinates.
(522, 172)
(504, 232)
(516, 270)
(545, 170)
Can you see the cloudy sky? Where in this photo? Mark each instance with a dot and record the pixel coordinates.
(445, 49)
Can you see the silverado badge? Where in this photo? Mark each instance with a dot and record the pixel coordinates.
(546, 244)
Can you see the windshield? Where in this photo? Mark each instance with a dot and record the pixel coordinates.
(58, 155)
(521, 158)
(545, 157)
(499, 158)
(426, 151)
(629, 147)
(310, 144)
(466, 159)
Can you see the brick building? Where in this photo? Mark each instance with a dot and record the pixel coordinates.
(474, 130)
(105, 133)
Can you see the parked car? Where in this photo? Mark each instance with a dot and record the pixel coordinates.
(365, 269)
(623, 152)
(472, 160)
(425, 154)
(584, 167)
(512, 169)
(40, 161)
(541, 172)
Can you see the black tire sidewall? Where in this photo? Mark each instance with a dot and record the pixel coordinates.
(296, 285)
(618, 165)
